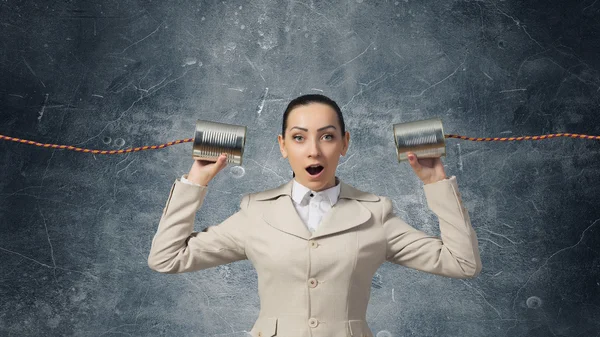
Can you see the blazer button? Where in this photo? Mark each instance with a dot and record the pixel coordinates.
(313, 243)
(259, 334)
(312, 282)
(313, 322)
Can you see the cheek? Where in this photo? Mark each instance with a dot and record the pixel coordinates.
(294, 159)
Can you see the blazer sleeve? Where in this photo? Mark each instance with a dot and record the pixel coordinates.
(455, 254)
(176, 248)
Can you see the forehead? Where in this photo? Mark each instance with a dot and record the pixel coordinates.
(313, 115)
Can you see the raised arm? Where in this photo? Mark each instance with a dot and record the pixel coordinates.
(176, 248)
(455, 254)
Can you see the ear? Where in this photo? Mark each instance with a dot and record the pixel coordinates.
(346, 143)
(282, 146)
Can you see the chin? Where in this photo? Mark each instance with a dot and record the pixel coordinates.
(321, 181)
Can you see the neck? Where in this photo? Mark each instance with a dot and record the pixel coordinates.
(334, 182)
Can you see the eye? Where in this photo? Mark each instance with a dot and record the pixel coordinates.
(326, 135)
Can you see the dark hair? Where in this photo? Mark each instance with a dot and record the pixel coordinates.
(312, 98)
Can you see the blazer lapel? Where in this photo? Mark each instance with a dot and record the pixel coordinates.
(345, 214)
(281, 214)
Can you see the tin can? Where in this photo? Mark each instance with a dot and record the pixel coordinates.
(212, 138)
(425, 138)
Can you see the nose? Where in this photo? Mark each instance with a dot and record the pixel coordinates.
(313, 149)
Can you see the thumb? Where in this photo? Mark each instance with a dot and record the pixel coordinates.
(412, 159)
(217, 165)
(222, 161)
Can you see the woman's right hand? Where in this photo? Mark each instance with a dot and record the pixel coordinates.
(203, 171)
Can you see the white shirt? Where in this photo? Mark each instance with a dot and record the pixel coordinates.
(310, 205)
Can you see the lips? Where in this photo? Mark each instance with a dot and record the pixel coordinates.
(314, 169)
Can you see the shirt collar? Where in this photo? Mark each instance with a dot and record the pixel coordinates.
(299, 192)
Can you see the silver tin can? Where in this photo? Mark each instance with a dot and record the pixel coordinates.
(425, 138)
(212, 138)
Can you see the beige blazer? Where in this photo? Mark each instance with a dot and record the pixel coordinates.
(315, 284)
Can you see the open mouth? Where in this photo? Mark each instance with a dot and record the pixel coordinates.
(314, 170)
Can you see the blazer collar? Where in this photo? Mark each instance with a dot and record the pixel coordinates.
(345, 214)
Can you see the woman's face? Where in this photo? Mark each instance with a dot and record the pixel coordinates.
(313, 136)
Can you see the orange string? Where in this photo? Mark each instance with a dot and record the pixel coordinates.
(553, 135)
(188, 140)
(68, 147)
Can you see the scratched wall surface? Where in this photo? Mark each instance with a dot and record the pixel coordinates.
(76, 228)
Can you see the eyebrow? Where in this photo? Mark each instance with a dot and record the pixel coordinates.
(321, 129)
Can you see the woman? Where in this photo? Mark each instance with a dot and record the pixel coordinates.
(315, 241)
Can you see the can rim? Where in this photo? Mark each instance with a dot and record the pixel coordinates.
(243, 145)
(443, 134)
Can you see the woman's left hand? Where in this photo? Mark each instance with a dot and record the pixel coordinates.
(429, 170)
